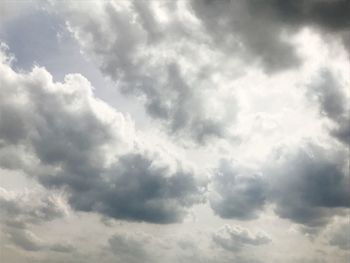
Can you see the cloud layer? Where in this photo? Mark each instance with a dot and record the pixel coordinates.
(235, 238)
(241, 112)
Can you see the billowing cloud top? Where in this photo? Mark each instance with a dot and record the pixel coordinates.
(175, 131)
(66, 138)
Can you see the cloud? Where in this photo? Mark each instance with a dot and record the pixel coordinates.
(140, 247)
(333, 100)
(310, 260)
(65, 137)
(306, 184)
(128, 249)
(328, 15)
(180, 59)
(237, 195)
(163, 63)
(28, 241)
(25, 239)
(61, 247)
(309, 184)
(240, 29)
(134, 189)
(235, 238)
(256, 30)
(338, 234)
(21, 210)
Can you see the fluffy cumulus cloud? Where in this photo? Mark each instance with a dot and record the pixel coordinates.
(155, 51)
(246, 107)
(62, 135)
(181, 59)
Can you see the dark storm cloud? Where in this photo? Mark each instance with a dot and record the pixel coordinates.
(307, 186)
(237, 195)
(66, 138)
(255, 28)
(235, 238)
(334, 104)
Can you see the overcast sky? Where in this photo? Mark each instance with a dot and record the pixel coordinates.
(204, 131)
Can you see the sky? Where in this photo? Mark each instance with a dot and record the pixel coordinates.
(204, 131)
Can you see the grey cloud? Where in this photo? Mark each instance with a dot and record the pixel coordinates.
(340, 234)
(148, 59)
(134, 189)
(334, 104)
(25, 239)
(235, 238)
(309, 185)
(310, 260)
(256, 28)
(68, 139)
(61, 247)
(240, 30)
(19, 209)
(329, 15)
(28, 241)
(330, 96)
(237, 195)
(127, 249)
(140, 247)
